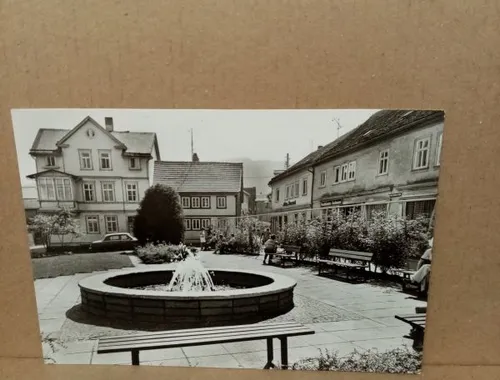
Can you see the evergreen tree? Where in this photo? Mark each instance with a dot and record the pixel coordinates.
(160, 218)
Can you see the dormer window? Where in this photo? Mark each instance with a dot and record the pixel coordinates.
(51, 161)
(134, 163)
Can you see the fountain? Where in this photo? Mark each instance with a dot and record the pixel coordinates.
(190, 296)
(191, 276)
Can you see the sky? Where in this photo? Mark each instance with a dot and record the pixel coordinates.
(219, 135)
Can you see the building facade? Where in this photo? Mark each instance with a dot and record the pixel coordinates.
(99, 173)
(211, 193)
(390, 164)
(291, 192)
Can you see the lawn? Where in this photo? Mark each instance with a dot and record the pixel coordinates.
(67, 265)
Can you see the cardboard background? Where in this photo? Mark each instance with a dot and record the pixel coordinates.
(432, 54)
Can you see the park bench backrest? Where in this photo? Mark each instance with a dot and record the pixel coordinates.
(291, 248)
(350, 255)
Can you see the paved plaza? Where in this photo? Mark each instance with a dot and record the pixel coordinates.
(344, 316)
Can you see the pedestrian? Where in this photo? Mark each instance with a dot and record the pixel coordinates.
(266, 234)
(203, 240)
(270, 247)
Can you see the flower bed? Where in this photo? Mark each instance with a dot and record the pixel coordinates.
(161, 253)
(400, 360)
(392, 239)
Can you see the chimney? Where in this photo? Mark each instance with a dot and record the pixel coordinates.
(108, 121)
(320, 147)
(195, 158)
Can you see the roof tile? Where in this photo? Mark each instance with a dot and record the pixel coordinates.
(201, 177)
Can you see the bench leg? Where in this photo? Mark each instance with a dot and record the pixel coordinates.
(284, 353)
(270, 354)
(135, 357)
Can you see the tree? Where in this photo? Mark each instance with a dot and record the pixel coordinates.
(160, 218)
(61, 225)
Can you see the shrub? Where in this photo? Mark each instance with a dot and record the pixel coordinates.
(63, 225)
(395, 239)
(160, 217)
(161, 253)
(399, 360)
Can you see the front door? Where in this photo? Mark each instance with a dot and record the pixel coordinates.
(130, 224)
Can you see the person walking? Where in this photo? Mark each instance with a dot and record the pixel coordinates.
(203, 240)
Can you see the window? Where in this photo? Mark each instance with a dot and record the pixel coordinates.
(322, 178)
(336, 174)
(186, 202)
(51, 161)
(287, 192)
(105, 160)
(47, 190)
(125, 237)
(111, 224)
(195, 224)
(205, 202)
(134, 163)
(89, 192)
(222, 224)
(420, 208)
(63, 189)
(132, 192)
(352, 170)
(195, 202)
(277, 195)
(383, 162)
(92, 223)
(304, 186)
(292, 191)
(108, 191)
(221, 202)
(421, 157)
(85, 159)
(343, 174)
(438, 149)
(297, 189)
(205, 223)
(187, 224)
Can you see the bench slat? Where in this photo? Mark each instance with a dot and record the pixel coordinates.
(353, 257)
(335, 251)
(202, 331)
(416, 320)
(168, 342)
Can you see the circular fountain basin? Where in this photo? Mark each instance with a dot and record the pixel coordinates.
(259, 296)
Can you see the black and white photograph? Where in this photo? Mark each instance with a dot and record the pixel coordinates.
(250, 239)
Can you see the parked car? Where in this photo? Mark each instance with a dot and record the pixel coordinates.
(120, 241)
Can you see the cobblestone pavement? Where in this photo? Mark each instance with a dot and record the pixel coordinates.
(344, 316)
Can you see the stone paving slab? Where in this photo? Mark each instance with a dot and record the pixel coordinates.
(345, 317)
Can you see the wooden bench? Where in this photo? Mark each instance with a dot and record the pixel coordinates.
(290, 253)
(206, 336)
(348, 260)
(417, 323)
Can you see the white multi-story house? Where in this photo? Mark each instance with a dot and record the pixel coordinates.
(99, 173)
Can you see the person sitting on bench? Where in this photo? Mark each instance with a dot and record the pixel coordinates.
(421, 276)
(270, 246)
(221, 244)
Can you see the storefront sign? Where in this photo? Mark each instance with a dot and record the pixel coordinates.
(331, 203)
(395, 195)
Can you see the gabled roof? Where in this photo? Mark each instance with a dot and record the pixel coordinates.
(381, 125)
(50, 140)
(35, 175)
(200, 177)
(88, 119)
